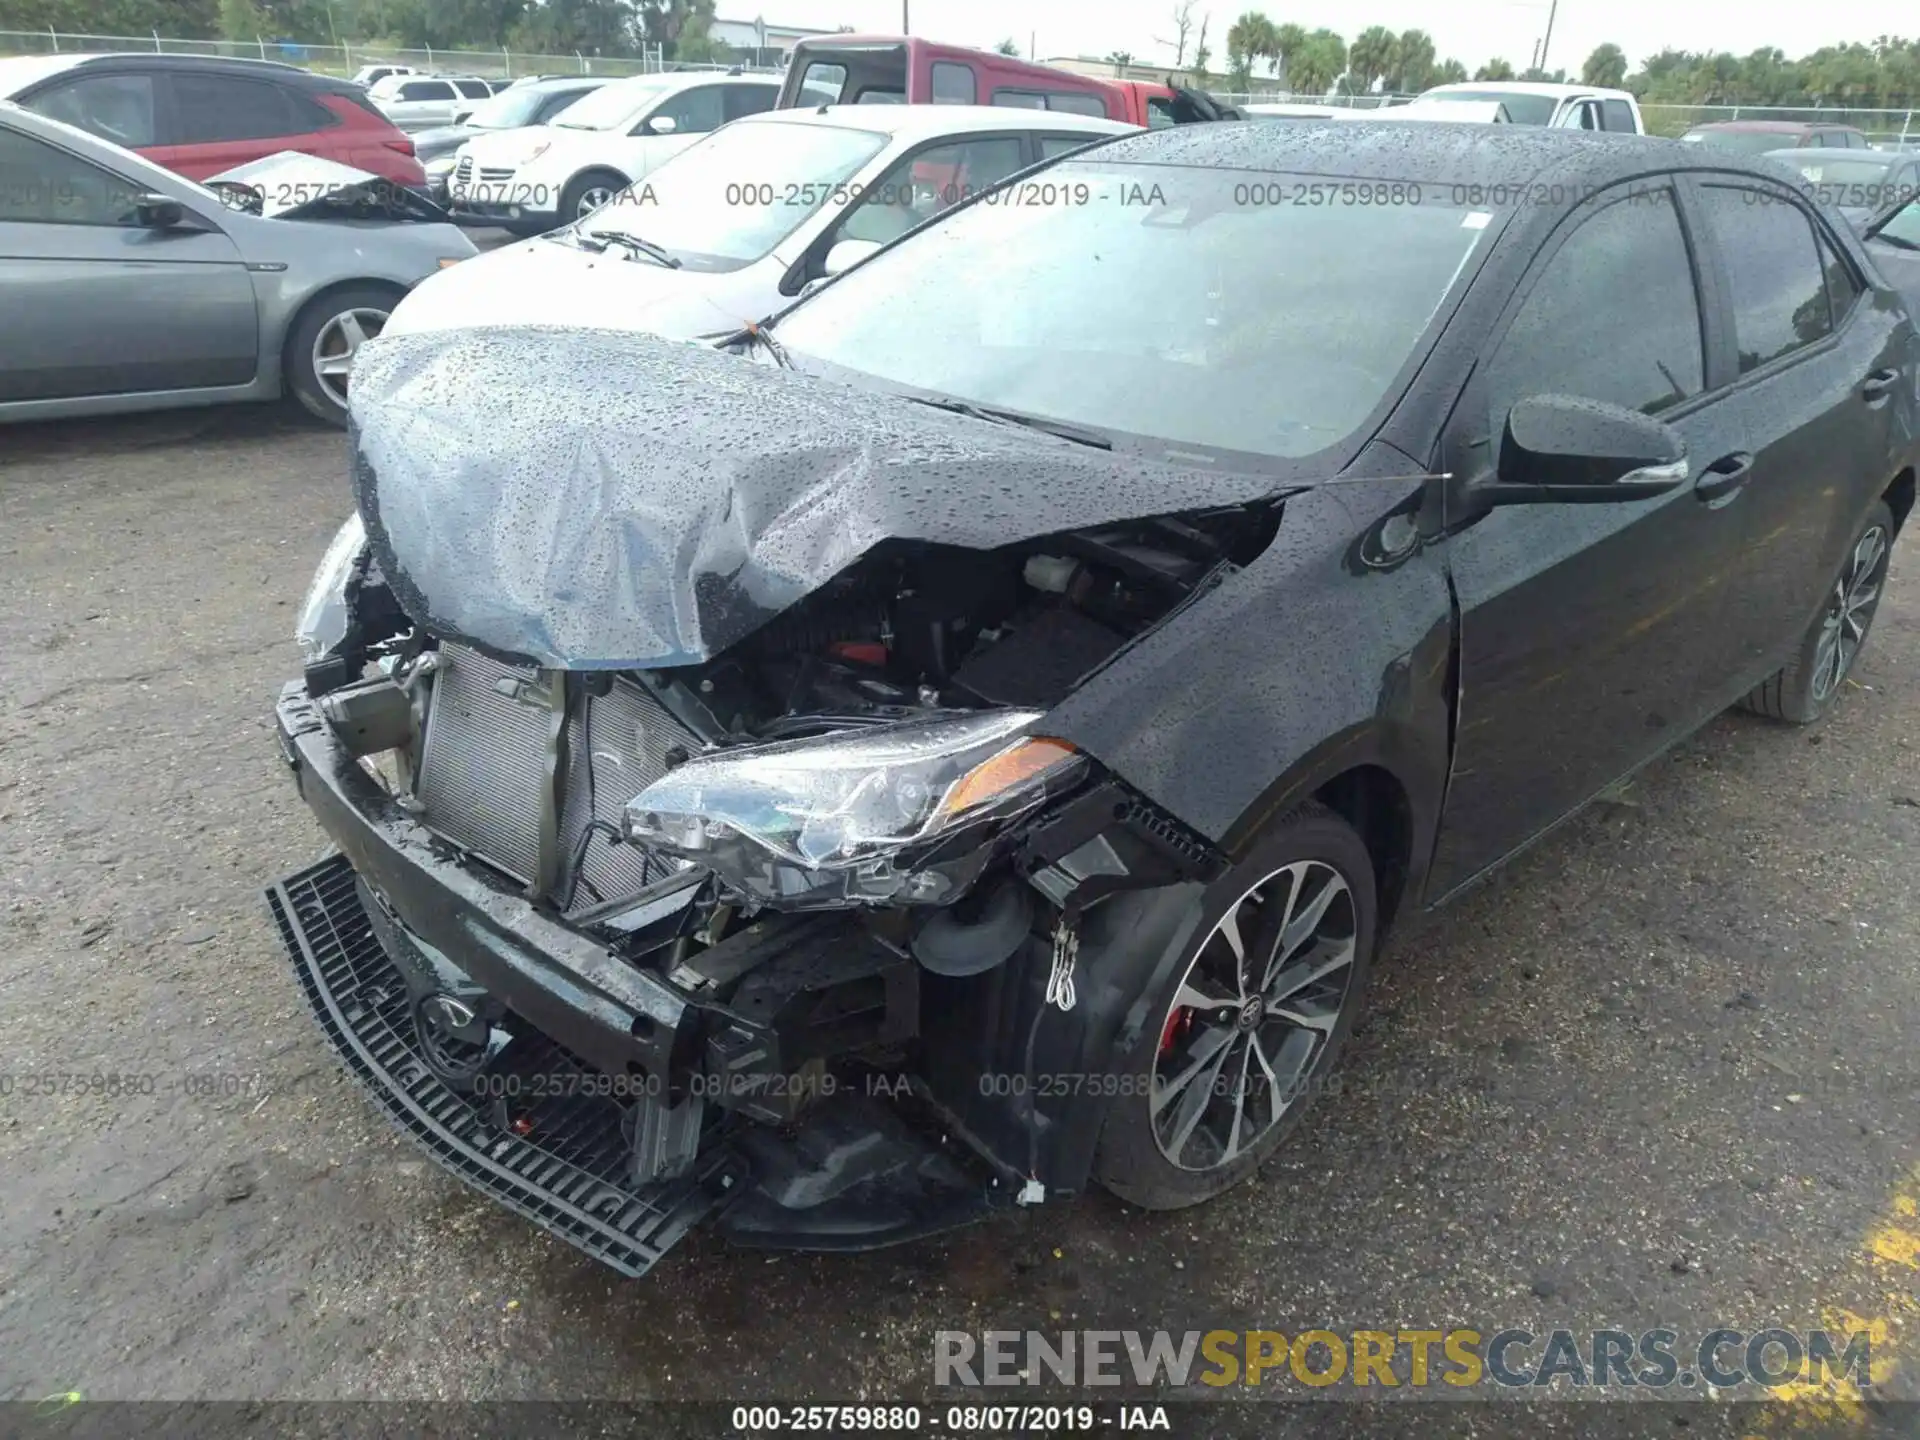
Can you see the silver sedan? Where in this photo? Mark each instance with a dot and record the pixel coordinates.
(124, 286)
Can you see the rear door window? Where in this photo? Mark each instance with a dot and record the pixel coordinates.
(953, 84)
(426, 90)
(474, 89)
(1052, 146)
(1778, 287)
(212, 108)
(118, 108)
(1618, 115)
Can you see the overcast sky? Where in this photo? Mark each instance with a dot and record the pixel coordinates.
(1472, 31)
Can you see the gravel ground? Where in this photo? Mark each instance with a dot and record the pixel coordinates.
(1661, 1072)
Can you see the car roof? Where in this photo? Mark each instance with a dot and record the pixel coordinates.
(913, 120)
(1506, 160)
(21, 72)
(1528, 87)
(1778, 127)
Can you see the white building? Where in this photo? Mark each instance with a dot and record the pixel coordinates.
(755, 42)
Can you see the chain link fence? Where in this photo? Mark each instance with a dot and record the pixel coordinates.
(1882, 127)
(345, 60)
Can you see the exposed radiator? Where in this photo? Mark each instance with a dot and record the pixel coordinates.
(617, 745)
(486, 756)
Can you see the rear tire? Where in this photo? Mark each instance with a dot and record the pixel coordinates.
(1293, 925)
(321, 344)
(1805, 688)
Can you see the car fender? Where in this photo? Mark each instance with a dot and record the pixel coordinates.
(1331, 650)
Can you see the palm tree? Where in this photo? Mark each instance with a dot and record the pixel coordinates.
(1008, 47)
(1371, 57)
(1249, 38)
(1495, 69)
(1412, 62)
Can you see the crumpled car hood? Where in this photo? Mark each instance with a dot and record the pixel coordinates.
(290, 186)
(592, 499)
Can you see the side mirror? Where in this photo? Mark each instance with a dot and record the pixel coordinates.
(1560, 449)
(158, 212)
(847, 254)
(661, 125)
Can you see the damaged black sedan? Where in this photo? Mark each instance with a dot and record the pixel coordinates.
(967, 739)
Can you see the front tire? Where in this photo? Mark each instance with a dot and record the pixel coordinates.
(323, 341)
(587, 193)
(1804, 689)
(1250, 1021)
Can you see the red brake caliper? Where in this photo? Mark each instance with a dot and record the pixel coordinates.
(1177, 1023)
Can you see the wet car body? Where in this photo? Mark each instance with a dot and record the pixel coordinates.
(1194, 655)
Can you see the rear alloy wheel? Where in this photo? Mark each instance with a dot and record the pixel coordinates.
(322, 346)
(1253, 1021)
(1805, 687)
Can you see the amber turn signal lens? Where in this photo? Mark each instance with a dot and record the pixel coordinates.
(1012, 769)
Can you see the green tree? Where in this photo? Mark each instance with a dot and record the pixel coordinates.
(1607, 66)
(1287, 40)
(1450, 72)
(1122, 58)
(240, 20)
(1320, 63)
(1008, 47)
(1370, 58)
(1413, 62)
(1249, 38)
(1494, 69)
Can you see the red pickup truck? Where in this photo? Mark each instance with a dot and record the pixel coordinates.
(906, 70)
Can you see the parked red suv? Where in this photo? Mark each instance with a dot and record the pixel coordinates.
(200, 115)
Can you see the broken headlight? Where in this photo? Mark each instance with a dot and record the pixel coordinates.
(862, 818)
(324, 618)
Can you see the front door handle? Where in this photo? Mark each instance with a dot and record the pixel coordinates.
(1725, 476)
(1879, 385)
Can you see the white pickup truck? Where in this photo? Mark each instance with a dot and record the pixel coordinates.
(1568, 107)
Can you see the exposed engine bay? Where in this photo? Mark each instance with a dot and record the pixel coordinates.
(529, 772)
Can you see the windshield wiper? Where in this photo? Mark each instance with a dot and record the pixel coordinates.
(633, 243)
(1013, 417)
(758, 335)
(1894, 240)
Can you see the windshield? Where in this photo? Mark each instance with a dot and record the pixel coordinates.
(509, 110)
(1521, 109)
(1746, 142)
(732, 197)
(1225, 309)
(611, 105)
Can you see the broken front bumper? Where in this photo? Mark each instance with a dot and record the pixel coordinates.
(850, 1175)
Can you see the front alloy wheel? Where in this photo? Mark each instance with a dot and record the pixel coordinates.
(1252, 1020)
(325, 339)
(1259, 1004)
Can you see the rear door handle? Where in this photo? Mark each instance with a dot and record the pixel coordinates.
(1725, 476)
(1879, 385)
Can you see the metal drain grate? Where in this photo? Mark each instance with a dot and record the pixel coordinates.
(575, 1188)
